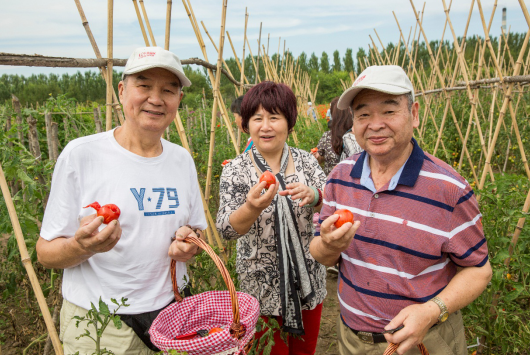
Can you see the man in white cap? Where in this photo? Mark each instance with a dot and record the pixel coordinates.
(416, 253)
(153, 182)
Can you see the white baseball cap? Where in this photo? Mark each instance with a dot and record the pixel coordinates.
(145, 58)
(390, 79)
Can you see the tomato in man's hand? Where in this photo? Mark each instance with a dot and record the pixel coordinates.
(109, 212)
(268, 178)
(345, 216)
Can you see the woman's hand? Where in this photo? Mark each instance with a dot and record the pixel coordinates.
(256, 200)
(297, 190)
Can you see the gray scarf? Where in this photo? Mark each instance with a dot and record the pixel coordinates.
(295, 284)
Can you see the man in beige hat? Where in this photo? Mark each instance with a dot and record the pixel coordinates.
(153, 182)
(416, 253)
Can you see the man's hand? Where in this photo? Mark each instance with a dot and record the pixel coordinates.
(93, 241)
(417, 319)
(180, 250)
(332, 241)
(337, 239)
(297, 190)
(257, 201)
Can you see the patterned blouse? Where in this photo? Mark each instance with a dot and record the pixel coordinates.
(326, 150)
(256, 261)
(350, 146)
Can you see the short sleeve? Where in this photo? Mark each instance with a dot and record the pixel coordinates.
(233, 191)
(467, 245)
(61, 217)
(197, 217)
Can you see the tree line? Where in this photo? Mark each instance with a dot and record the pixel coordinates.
(325, 69)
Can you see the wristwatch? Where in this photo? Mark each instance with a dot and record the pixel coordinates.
(443, 309)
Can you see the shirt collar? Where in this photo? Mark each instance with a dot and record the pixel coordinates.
(406, 175)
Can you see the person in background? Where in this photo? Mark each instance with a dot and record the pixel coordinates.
(328, 114)
(325, 153)
(343, 141)
(235, 107)
(416, 253)
(273, 229)
(311, 111)
(153, 182)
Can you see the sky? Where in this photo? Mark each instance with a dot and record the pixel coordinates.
(54, 28)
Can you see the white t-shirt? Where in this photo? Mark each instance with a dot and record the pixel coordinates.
(156, 196)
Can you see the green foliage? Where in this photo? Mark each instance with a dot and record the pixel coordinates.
(337, 66)
(348, 60)
(506, 324)
(324, 63)
(99, 319)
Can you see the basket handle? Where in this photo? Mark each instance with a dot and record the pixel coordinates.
(236, 328)
(391, 348)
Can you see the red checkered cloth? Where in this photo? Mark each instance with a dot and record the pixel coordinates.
(205, 311)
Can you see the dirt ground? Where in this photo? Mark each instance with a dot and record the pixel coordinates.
(327, 338)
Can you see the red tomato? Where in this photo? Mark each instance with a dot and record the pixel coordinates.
(225, 162)
(344, 217)
(314, 150)
(215, 330)
(268, 178)
(109, 212)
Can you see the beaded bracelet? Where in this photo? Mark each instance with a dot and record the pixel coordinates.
(320, 197)
(316, 199)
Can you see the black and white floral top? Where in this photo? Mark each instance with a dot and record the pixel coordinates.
(326, 150)
(257, 262)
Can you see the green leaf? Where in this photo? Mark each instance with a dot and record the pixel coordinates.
(117, 322)
(103, 308)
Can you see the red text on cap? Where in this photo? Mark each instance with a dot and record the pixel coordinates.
(359, 79)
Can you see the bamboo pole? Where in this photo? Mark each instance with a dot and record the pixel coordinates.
(147, 23)
(506, 100)
(222, 107)
(168, 23)
(140, 21)
(110, 89)
(216, 95)
(116, 106)
(244, 42)
(243, 77)
(26, 261)
(259, 49)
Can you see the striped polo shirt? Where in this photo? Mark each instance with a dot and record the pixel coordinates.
(414, 233)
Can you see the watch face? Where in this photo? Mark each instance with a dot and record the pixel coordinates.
(444, 317)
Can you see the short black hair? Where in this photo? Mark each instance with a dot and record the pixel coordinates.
(274, 98)
(236, 105)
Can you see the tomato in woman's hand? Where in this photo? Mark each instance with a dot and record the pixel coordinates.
(345, 216)
(215, 330)
(314, 150)
(109, 212)
(225, 162)
(268, 178)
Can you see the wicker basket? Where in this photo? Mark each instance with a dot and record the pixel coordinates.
(235, 312)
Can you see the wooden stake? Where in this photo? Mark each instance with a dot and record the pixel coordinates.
(102, 70)
(141, 22)
(26, 261)
(259, 49)
(147, 23)
(168, 23)
(216, 96)
(110, 89)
